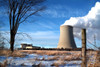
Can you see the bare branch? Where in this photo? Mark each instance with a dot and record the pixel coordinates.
(32, 14)
(18, 13)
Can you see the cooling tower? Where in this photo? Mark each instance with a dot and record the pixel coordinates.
(66, 39)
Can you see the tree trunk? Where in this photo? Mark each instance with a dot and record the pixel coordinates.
(12, 40)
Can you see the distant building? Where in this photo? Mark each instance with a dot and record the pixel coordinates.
(66, 39)
(26, 46)
(29, 46)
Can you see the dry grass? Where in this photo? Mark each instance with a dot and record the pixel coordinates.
(67, 56)
(72, 57)
(5, 52)
(4, 64)
(38, 65)
(56, 54)
(49, 52)
(17, 54)
(8, 53)
(94, 60)
(53, 58)
(59, 62)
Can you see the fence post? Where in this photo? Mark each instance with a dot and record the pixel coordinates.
(83, 48)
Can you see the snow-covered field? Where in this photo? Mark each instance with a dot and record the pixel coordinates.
(33, 60)
(45, 58)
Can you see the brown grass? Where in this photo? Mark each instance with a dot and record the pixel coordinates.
(8, 53)
(49, 52)
(4, 64)
(94, 61)
(53, 58)
(56, 64)
(67, 55)
(5, 52)
(39, 65)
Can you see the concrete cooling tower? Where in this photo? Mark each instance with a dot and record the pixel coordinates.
(66, 39)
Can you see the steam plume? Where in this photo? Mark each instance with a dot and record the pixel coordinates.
(91, 22)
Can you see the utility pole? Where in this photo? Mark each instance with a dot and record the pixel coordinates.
(95, 40)
(83, 48)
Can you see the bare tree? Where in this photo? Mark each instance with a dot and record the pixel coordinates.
(1, 41)
(19, 11)
(1, 36)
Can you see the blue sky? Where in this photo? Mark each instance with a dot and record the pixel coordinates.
(45, 29)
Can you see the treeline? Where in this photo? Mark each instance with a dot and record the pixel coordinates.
(61, 49)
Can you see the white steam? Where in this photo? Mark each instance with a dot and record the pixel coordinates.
(92, 19)
(91, 22)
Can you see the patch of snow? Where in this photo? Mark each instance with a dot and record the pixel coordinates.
(29, 60)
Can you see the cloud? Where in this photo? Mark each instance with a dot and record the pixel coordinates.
(61, 11)
(41, 38)
(38, 38)
(91, 22)
(45, 25)
(44, 35)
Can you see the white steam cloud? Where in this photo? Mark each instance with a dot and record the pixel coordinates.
(91, 22)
